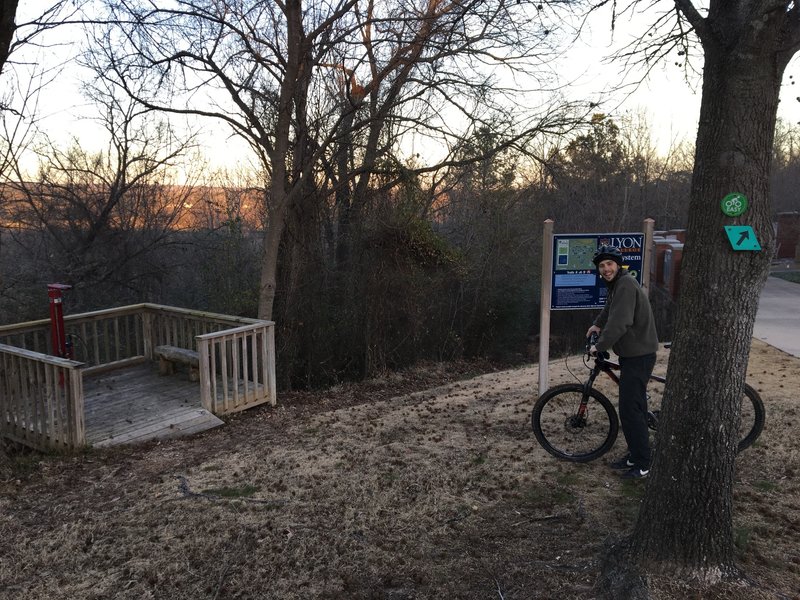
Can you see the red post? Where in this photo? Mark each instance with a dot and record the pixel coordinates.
(58, 335)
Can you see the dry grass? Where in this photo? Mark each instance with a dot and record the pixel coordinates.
(372, 491)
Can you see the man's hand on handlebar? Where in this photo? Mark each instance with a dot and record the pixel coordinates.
(591, 330)
(591, 343)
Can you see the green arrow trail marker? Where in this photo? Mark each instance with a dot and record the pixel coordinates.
(742, 237)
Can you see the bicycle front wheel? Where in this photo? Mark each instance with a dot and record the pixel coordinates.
(564, 433)
(751, 421)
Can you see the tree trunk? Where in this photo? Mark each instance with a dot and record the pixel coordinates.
(685, 523)
(342, 155)
(8, 13)
(281, 193)
(269, 263)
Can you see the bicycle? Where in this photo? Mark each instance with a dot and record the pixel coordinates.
(577, 422)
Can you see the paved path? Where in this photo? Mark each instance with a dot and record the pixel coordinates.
(778, 318)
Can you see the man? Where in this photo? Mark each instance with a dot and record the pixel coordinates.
(626, 325)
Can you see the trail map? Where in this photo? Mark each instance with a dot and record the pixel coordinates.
(576, 254)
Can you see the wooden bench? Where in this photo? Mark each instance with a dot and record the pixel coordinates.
(169, 356)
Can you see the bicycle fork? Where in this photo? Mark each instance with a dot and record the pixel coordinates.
(580, 416)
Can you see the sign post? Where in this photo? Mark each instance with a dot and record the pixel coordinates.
(649, 227)
(544, 312)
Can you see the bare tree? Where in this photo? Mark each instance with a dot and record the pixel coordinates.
(592, 174)
(786, 167)
(91, 218)
(685, 527)
(268, 69)
(19, 97)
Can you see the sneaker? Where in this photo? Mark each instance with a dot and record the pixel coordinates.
(636, 473)
(622, 464)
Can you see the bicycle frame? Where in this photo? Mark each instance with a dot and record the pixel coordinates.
(602, 365)
(609, 367)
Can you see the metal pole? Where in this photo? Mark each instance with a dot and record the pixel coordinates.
(649, 227)
(544, 310)
(58, 336)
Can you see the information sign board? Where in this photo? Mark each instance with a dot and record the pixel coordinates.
(575, 282)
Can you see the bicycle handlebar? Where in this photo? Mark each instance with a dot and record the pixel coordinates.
(592, 341)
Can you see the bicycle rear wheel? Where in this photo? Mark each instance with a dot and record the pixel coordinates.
(564, 433)
(751, 422)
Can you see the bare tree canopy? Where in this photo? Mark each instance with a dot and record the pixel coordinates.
(329, 91)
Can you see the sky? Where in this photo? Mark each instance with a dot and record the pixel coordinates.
(670, 103)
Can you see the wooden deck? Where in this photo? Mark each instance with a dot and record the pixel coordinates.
(107, 392)
(136, 404)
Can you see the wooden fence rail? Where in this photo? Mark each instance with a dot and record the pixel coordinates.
(102, 339)
(42, 399)
(237, 368)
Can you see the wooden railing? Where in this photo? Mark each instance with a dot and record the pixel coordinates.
(237, 368)
(167, 325)
(237, 371)
(101, 340)
(106, 339)
(42, 399)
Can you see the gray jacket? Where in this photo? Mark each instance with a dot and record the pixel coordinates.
(626, 321)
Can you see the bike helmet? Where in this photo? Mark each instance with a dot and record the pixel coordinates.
(607, 253)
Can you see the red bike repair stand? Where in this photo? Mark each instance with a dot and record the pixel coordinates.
(62, 346)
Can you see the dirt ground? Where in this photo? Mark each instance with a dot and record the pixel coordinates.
(424, 484)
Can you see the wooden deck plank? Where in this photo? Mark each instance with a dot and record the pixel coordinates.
(153, 422)
(182, 423)
(135, 404)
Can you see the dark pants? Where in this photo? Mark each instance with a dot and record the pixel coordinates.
(634, 374)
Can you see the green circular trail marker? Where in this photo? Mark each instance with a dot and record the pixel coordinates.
(734, 204)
